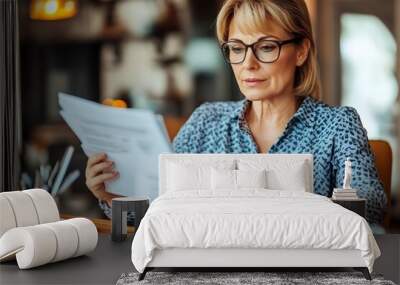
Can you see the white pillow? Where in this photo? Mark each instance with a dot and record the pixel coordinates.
(291, 179)
(187, 177)
(190, 176)
(282, 175)
(251, 178)
(223, 179)
(236, 179)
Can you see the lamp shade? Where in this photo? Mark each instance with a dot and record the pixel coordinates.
(50, 10)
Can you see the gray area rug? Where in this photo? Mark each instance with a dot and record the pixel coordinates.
(229, 278)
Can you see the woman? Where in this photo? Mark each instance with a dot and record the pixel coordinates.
(270, 47)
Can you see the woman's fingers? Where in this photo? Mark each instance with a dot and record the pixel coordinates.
(94, 181)
(105, 166)
(99, 170)
(95, 159)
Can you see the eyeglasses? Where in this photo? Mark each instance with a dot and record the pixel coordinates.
(266, 51)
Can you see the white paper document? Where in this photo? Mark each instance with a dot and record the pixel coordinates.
(132, 138)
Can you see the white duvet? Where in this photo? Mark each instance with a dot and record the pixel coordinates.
(252, 218)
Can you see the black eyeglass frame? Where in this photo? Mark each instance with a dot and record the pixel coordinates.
(279, 43)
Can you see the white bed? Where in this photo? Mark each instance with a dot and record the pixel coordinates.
(250, 226)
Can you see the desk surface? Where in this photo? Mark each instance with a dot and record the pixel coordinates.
(110, 259)
(102, 266)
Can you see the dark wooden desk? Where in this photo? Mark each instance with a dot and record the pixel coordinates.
(389, 262)
(102, 266)
(110, 259)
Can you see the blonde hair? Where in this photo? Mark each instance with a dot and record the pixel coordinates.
(292, 16)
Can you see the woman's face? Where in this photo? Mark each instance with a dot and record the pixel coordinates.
(258, 80)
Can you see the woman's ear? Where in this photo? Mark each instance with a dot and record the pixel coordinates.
(302, 52)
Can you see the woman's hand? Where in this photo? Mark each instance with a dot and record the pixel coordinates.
(98, 170)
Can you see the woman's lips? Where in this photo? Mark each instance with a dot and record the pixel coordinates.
(253, 81)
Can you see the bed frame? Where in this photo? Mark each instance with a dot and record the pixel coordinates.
(240, 259)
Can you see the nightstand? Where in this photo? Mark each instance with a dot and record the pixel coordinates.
(355, 205)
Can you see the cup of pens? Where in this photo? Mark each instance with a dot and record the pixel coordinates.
(54, 179)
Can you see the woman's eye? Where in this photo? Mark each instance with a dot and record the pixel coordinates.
(267, 48)
(237, 49)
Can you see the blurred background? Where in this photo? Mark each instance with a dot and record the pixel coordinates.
(163, 55)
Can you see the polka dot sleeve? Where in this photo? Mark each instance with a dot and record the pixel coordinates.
(351, 141)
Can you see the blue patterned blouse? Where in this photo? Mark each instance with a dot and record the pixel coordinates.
(331, 134)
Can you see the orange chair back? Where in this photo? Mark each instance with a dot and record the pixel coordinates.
(173, 124)
(383, 162)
